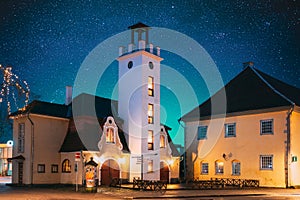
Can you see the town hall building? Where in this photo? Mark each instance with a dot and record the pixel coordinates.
(124, 140)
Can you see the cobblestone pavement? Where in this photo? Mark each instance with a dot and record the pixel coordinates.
(68, 193)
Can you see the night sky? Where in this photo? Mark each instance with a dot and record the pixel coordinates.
(46, 41)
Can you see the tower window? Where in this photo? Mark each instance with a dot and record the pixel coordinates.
(150, 113)
(150, 140)
(66, 166)
(110, 135)
(151, 65)
(150, 166)
(150, 86)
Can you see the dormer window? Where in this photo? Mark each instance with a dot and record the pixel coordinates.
(110, 135)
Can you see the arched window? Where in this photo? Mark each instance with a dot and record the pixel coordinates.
(66, 166)
(110, 135)
(219, 165)
(162, 141)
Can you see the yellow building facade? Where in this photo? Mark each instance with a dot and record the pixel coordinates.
(254, 139)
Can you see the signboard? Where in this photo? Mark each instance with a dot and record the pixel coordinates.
(77, 156)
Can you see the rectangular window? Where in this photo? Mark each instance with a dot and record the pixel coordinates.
(150, 140)
(21, 138)
(266, 127)
(204, 168)
(151, 86)
(230, 130)
(266, 162)
(150, 166)
(150, 113)
(219, 167)
(54, 168)
(41, 168)
(202, 132)
(236, 168)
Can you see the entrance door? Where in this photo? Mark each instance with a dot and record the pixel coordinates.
(109, 171)
(20, 172)
(164, 172)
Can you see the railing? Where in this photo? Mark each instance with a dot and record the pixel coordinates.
(149, 185)
(223, 182)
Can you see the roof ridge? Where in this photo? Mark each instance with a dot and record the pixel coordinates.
(270, 86)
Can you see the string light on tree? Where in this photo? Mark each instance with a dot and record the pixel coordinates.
(12, 86)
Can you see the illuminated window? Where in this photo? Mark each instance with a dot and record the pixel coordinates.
(110, 135)
(202, 132)
(41, 168)
(150, 113)
(219, 167)
(236, 167)
(266, 162)
(162, 141)
(150, 166)
(54, 168)
(21, 138)
(150, 86)
(266, 127)
(204, 168)
(150, 140)
(230, 130)
(66, 166)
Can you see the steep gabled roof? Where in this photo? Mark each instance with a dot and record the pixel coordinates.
(103, 107)
(44, 108)
(175, 152)
(250, 90)
(90, 135)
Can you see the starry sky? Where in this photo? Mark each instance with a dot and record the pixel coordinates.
(46, 41)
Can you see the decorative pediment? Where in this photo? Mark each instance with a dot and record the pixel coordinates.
(110, 136)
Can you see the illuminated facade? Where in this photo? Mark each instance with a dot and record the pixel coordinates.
(122, 140)
(257, 138)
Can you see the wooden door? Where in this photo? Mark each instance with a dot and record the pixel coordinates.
(164, 172)
(109, 171)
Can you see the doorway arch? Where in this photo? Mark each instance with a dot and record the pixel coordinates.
(164, 171)
(109, 170)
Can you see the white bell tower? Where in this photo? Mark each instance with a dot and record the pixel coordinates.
(139, 102)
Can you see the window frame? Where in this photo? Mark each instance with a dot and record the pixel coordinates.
(150, 140)
(151, 86)
(203, 171)
(41, 168)
(162, 137)
(54, 168)
(150, 113)
(218, 169)
(150, 166)
(226, 129)
(110, 137)
(21, 137)
(264, 132)
(262, 162)
(236, 171)
(199, 135)
(63, 167)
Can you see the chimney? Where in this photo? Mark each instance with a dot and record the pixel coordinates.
(248, 64)
(68, 99)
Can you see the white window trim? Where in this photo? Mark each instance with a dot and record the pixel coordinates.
(226, 130)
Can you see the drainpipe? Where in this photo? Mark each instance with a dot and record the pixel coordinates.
(288, 147)
(32, 146)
